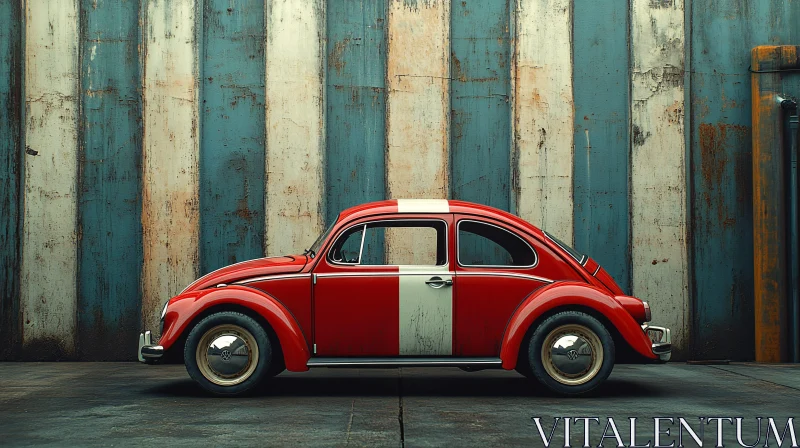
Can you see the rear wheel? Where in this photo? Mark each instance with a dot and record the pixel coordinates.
(228, 353)
(571, 353)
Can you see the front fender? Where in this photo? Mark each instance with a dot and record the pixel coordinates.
(183, 309)
(565, 294)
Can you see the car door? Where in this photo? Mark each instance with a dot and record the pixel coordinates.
(496, 270)
(385, 289)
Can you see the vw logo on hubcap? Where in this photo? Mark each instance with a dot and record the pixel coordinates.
(226, 355)
(572, 355)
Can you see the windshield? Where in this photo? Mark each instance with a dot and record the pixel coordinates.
(321, 239)
(574, 253)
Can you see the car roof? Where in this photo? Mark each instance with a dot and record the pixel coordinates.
(432, 206)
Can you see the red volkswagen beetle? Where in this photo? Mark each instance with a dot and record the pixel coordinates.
(411, 283)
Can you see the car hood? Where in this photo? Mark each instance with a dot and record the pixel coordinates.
(248, 269)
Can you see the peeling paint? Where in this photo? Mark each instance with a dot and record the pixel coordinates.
(11, 131)
(295, 124)
(355, 114)
(544, 114)
(232, 133)
(480, 133)
(418, 106)
(170, 190)
(723, 33)
(110, 242)
(658, 166)
(48, 277)
(601, 82)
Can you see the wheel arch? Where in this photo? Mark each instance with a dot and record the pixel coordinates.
(179, 344)
(186, 311)
(619, 341)
(572, 296)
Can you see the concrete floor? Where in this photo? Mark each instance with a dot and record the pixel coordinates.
(129, 404)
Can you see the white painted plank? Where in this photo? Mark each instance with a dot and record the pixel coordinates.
(49, 241)
(294, 124)
(658, 195)
(544, 114)
(170, 217)
(418, 105)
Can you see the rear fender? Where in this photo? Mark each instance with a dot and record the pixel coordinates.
(183, 310)
(566, 294)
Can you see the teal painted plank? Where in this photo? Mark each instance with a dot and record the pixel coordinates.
(480, 89)
(232, 127)
(723, 33)
(356, 104)
(10, 125)
(601, 164)
(110, 249)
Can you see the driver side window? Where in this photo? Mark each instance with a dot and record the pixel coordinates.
(392, 243)
(347, 249)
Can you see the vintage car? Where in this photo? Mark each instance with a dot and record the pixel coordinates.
(410, 283)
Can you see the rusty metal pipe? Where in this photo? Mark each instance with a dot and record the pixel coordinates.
(793, 228)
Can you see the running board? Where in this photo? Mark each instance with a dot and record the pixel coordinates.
(406, 362)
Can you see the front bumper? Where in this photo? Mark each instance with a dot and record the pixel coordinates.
(661, 339)
(148, 352)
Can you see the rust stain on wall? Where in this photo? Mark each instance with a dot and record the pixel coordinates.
(716, 166)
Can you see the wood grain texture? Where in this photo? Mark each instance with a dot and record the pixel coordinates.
(355, 111)
(10, 172)
(418, 109)
(170, 217)
(49, 239)
(110, 246)
(602, 144)
(295, 123)
(544, 115)
(232, 133)
(658, 167)
(480, 101)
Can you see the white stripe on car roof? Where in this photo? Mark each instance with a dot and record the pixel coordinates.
(423, 206)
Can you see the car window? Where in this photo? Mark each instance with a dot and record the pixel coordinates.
(393, 243)
(483, 244)
(572, 252)
(348, 247)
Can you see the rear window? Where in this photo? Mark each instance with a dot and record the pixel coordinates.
(574, 253)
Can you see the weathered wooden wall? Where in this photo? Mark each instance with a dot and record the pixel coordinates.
(10, 156)
(145, 142)
(721, 223)
(49, 267)
(110, 244)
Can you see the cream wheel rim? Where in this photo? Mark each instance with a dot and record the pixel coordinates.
(572, 354)
(227, 355)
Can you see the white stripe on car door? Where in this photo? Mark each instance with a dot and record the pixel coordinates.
(426, 313)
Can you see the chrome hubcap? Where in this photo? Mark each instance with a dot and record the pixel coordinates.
(227, 355)
(572, 354)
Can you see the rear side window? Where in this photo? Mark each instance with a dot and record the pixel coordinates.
(483, 244)
(567, 248)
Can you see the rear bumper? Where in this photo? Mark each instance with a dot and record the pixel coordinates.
(148, 352)
(661, 341)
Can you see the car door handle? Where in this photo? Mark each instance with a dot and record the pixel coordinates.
(438, 282)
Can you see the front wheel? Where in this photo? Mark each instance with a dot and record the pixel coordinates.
(571, 353)
(228, 353)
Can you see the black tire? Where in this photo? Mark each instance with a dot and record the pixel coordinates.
(250, 332)
(595, 347)
(523, 363)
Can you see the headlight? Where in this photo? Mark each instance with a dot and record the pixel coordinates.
(164, 311)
